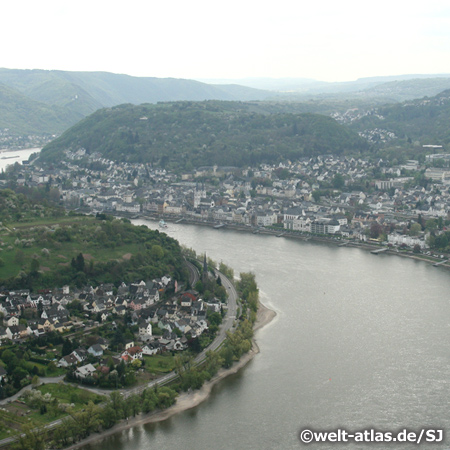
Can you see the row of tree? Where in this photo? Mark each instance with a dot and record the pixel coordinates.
(79, 424)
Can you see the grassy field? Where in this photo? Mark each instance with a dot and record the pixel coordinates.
(159, 364)
(65, 393)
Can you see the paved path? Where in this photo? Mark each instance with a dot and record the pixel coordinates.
(46, 380)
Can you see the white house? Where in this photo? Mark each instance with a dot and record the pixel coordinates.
(410, 241)
(133, 353)
(85, 371)
(145, 328)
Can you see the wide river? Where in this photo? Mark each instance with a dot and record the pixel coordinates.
(360, 341)
(10, 157)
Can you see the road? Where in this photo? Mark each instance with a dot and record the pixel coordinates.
(193, 273)
(29, 387)
(227, 325)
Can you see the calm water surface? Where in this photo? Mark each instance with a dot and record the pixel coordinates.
(360, 341)
(9, 157)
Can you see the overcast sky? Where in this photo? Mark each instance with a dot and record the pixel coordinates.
(326, 40)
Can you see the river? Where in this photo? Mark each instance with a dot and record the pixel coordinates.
(8, 157)
(360, 341)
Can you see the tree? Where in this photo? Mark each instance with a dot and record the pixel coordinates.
(227, 271)
(51, 368)
(338, 181)
(7, 356)
(19, 258)
(157, 252)
(40, 308)
(431, 224)
(136, 364)
(63, 433)
(87, 420)
(213, 362)
(134, 403)
(117, 402)
(78, 263)
(226, 353)
(32, 437)
(199, 287)
(415, 229)
(375, 230)
(183, 364)
(34, 265)
(247, 284)
(18, 375)
(66, 348)
(215, 318)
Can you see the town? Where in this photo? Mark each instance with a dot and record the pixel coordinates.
(141, 319)
(337, 196)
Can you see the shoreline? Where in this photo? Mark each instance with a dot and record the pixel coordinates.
(187, 400)
(307, 237)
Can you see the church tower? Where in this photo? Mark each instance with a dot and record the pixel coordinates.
(205, 269)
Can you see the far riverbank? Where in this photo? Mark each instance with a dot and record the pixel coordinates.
(281, 233)
(187, 400)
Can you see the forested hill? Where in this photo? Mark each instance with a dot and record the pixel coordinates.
(425, 120)
(191, 134)
(21, 115)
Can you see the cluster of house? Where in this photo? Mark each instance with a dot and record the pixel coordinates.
(179, 318)
(256, 197)
(51, 314)
(10, 140)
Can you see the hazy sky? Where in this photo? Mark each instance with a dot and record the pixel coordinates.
(327, 40)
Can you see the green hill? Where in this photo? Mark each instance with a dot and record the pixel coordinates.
(425, 120)
(193, 134)
(40, 244)
(21, 115)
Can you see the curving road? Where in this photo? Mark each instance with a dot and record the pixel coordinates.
(227, 325)
(194, 276)
(43, 380)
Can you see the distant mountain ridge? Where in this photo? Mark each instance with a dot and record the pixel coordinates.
(46, 102)
(401, 87)
(74, 95)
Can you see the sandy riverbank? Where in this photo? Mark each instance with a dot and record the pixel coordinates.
(189, 400)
